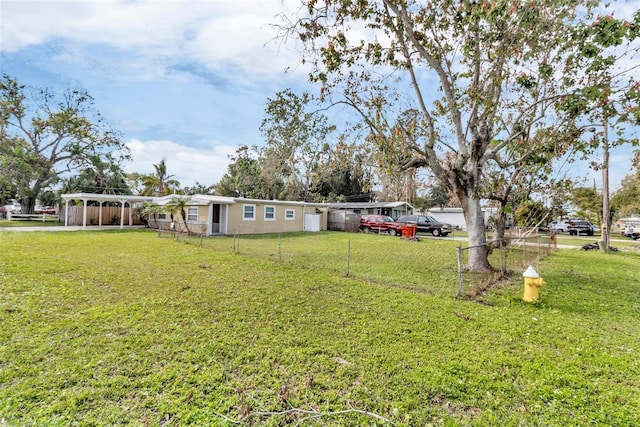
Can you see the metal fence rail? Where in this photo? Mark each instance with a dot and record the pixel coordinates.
(507, 256)
(180, 230)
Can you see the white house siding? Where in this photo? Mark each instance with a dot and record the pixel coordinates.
(453, 216)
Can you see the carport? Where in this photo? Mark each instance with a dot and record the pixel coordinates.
(102, 198)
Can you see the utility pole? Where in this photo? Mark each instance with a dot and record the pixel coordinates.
(605, 187)
(606, 210)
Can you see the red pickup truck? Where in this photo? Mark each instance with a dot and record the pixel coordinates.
(379, 224)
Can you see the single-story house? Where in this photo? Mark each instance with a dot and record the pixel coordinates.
(623, 222)
(209, 215)
(454, 216)
(392, 209)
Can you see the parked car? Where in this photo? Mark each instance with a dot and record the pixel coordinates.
(633, 231)
(13, 206)
(426, 224)
(379, 224)
(559, 226)
(49, 210)
(577, 227)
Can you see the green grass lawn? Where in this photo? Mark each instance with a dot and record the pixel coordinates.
(124, 328)
(620, 243)
(29, 223)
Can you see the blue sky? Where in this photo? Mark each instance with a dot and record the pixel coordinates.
(183, 80)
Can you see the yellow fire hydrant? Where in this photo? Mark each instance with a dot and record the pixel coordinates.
(532, 281)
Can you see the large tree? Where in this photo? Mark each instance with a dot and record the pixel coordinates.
(244, 177)
(101, 177)
(44, 136)
(295, 135)
(588, 203)
(342, 173)
(486, 78)
(626, 200)
(198, 188)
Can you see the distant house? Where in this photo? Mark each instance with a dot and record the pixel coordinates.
(453, 216)
(632, 221)
(209, 215)
(392, 209)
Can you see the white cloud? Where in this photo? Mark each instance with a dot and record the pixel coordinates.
(216, 34)
(187, 164)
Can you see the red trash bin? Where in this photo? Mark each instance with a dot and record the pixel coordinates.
(409, 231)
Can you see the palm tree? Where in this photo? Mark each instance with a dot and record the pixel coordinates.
(146, 211)
(159, 183)
(180, 204)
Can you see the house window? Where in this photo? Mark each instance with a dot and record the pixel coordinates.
(269, 213)
(248, 212)
(162, 215)
(289, 214)
(192, 214)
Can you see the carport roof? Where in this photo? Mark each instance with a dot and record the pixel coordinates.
(106, 197)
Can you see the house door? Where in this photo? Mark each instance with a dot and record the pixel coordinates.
(215, 222)
(311, 222)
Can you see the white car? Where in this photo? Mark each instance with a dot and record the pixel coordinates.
(559, 226)
(632, 231)
(13, 207)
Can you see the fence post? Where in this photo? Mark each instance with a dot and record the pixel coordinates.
(460, 284)
(280, 246)
(236, 241)
(348, 256)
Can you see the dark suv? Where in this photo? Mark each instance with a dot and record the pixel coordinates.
(426, 224)
(379, 224)
(578, 227)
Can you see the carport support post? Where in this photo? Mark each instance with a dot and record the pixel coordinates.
(122, 214)
(84, 213)
(131, 209)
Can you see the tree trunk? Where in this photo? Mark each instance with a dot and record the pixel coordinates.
(500, 225)
(28, 205)
(184, 219)
(474, 218)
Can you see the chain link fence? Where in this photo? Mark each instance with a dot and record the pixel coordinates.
(422, 264)
(182, 230)
(507, 256)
